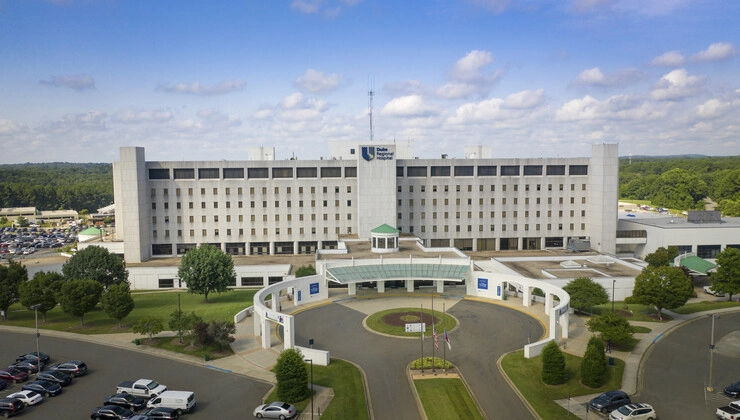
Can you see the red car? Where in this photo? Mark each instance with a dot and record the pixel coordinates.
(13, 375)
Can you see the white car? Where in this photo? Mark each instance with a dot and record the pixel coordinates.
(634, 412)
(708, 290)
(28, 397)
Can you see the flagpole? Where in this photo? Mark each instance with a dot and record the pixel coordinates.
(444, 350)
(433, 333)
(422, 338)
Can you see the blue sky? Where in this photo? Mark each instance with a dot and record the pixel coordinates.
(198, 80)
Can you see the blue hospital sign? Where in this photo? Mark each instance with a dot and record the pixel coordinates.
(368, 153)
(313, 288)
(299, 296)
(483, 284)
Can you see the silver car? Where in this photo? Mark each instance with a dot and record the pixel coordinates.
(275, 410)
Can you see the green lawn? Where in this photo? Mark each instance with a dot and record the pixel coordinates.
(220, 307)
(631, 311)
(349, 391)
(375, 322)
(704, 306)
(446, 399)
(526, 374)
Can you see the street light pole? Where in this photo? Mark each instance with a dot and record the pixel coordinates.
(311, 361)
(711, 354)
(38, 354)
(614, 282)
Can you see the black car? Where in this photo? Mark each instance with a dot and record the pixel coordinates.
(56, 376)
(11, 406)
(609, 401)
(162, 413)
(127, 401)
(111, 412)
(3, 385)
(45, 388)
(733, 390)
(73, 367)
(31, 357)
(27, 366)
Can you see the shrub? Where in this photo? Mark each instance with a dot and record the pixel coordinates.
(593, 365)
(553, 364)
(292, 376)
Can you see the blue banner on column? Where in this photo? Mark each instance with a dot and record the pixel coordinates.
(299, 296)
(483, 284)
(313, 288)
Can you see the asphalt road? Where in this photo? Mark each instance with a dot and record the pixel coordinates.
(219, 394)
(486, 332)
(676, 372)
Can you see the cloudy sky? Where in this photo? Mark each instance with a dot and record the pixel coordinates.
(202, 80)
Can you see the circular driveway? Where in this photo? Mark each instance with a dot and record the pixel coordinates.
(486, 331)
(676, 372)
(219, 394)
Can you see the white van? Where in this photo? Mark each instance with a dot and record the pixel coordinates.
(182, 401)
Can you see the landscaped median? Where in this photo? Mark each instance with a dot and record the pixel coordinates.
(442, 393)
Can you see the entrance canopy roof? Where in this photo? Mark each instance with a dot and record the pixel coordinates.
(363, 273)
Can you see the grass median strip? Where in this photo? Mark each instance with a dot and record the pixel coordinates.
(446, 399)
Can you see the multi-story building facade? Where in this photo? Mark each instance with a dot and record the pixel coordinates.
(298, 206)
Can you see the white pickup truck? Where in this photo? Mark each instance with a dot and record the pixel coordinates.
(729, 412)
(145, 388)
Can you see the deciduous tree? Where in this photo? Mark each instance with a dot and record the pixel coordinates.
(611, 327)
(117, 301)
(207, 269)
(662, 287)
(11, 277)
(78, 297)
(585, 293)
(593, 364)
(305, 270)
(96, 263)
(662, 257)
(727, 277)
(41, 290)
(149, 326)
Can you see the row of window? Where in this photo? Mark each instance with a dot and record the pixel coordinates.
(515, 201)
(515, 214)
(252, 190)
(240, 217)
(253, 232)
(252, 204)
(527, 187)
(351, 172)
(514, 227)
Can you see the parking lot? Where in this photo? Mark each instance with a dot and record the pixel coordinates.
(218, 394)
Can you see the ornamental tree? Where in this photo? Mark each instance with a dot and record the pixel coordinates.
(553, 364)
(662, 257)
(11, 277)
(149, 326)
(593, 365)
(117, 302)
(291, 375)
(78, 297)
(41, 290)
(585, 293)
(207, 269)
(662, 287)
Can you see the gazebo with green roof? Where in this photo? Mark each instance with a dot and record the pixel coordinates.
(384, 239)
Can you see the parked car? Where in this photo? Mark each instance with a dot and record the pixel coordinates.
(708, 290)
(28, 397)
(46, 388)
(609, 401)
(733, 390)
(162, 413)
(182, 401)
(141, 387)
(729, 412)
(56, 376)
(3, 385)
(28, 366)
(640, 411)
(73, 367)
(11, 406)
(32, 357)
(275, 410)
(13, 375)
(126, 400)
(111, 412)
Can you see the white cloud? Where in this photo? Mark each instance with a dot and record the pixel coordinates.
(594, 77)
(716, 52)
(326, 8)
(526, 99)
(11, 128)
(318, 82)
(677, 85)
(469, 67)
(468, 77)
(618, 107)
(141, 117)
(72, 81)
(669, 59)
(496, 6)
(712, 108)
(407, 106)
(639, 7)
(214, 119)
(195, 88)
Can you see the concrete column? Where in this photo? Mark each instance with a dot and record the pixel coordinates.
(410, 286)
(440, 286)
(553, 327)
(288, 335)
(276, 301)
(352, 289)
(564, 322)
(266, 334)
(527, 299)
(381, 286)
(548, 303)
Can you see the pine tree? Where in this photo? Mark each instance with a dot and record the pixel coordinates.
(553, 364)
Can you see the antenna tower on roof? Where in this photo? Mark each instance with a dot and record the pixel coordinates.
(370, 94)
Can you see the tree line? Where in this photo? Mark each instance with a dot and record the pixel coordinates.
(682, 183)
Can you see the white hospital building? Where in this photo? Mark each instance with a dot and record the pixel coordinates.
(264, 206)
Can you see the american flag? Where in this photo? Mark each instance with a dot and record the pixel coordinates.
(436, 340)
(447, 340)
